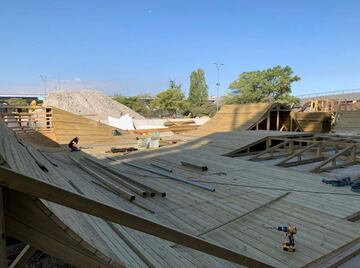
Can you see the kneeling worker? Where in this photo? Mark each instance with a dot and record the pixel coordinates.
(73, 143)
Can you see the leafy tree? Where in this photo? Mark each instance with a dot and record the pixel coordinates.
(16, 101)
(270, 85)
(171, 100)
(198, 94)
(139, 104)
(201, 110)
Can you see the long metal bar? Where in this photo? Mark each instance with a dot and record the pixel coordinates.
(125, 177)
(202, 186)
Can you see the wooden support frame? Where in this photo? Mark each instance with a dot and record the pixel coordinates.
(30, 221)
(26, 253)
(297, 154)
(303, 162)
(353, 160)
(40, 189)
(246, 150)
(268, 121)
(271, 151)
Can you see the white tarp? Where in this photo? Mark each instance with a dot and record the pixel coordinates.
(149, 123)
(125, 122)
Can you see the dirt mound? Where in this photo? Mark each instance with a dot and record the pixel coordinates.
(94, 104)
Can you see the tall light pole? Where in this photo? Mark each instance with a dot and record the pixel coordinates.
(218, 66)
(44, 80)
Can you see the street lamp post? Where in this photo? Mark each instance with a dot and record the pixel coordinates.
(44, 80)
(218, 66)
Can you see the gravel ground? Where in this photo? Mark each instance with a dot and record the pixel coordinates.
(89, 102)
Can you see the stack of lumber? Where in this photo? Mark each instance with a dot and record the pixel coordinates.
(68, 125)
(348, 123)
(313, 121)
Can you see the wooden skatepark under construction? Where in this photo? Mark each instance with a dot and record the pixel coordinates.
(163, 208)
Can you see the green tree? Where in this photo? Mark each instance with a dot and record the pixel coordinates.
(171, 100)
(198, 94)
(201, 110)
(139, 104)
(16, 101)
(270, 85)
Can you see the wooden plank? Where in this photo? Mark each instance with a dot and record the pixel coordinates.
(34, 187)
(297, 153)
(23, 257)
(245, 214)
(303, 162)
(3, 260)
(269, 150)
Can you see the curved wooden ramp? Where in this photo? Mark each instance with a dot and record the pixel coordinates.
(48, 209)
(319, 122)
(348, 123)
(67, 125)
(230, 222)
(253, 116)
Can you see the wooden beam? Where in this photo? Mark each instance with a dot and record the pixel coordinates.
(319, 168)
(23, 257)
(28, 220)
(303, 162)
(298, 153)
(40, 189)
(269, 151)
(3, 258)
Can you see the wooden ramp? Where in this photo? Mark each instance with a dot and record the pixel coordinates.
(254, 116)
(319, 122)
(68, 125)
(92, 225)
(347, 123)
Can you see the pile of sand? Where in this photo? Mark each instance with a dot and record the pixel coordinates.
(94, 104)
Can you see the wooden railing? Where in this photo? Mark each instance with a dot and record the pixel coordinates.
(27, 118)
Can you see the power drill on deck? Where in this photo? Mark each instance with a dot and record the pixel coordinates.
(290, 230)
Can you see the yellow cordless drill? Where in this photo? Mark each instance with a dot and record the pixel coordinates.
(290, 230)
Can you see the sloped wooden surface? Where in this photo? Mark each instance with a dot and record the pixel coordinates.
(241, 187)
(319, 122)
(234, 117)
(348, 123)
(68, 125)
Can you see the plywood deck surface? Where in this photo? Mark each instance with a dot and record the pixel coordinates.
(316, 209)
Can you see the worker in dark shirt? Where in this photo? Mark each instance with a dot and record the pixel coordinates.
(73, 143)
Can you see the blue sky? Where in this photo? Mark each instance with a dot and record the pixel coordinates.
(133, 47)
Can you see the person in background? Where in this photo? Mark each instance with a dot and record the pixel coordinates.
(73, 144)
